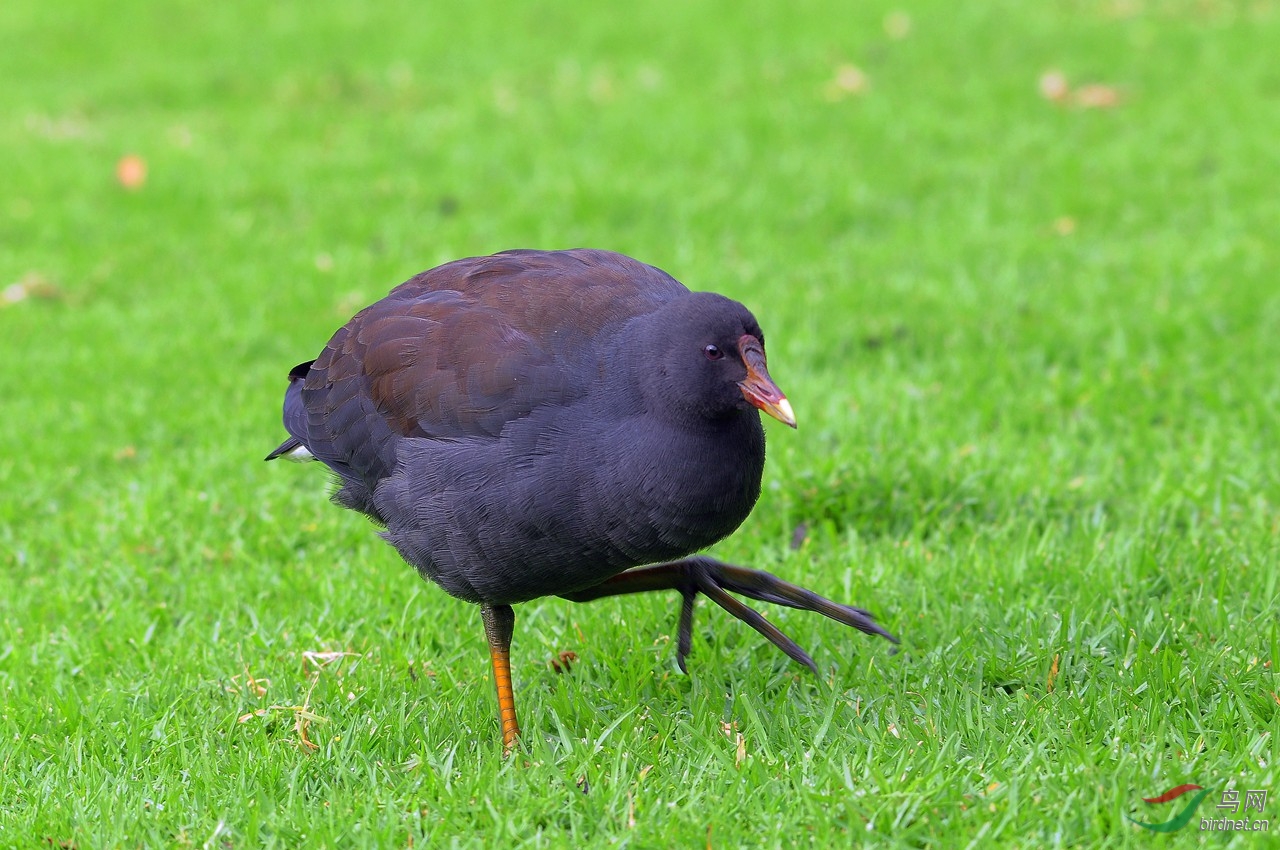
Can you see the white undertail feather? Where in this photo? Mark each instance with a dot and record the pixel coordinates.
(299, 454)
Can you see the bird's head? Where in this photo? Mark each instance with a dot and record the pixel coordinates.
(708, 361)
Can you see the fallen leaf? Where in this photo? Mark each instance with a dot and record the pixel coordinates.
(849, 80)
(256, 686)
(1096, 96)
(563, 662)
(33, 285)
(1054, 86)
(1053, 672)
(131, 171)
(1064, 225)
(13, 293)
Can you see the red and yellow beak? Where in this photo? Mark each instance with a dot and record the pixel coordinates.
(758, 388)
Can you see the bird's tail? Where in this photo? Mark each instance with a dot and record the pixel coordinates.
(295, 418)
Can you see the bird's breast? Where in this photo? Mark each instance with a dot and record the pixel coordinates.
(667, 493)
(515, 519)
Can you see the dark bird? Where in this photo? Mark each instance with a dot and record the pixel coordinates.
(539, 423)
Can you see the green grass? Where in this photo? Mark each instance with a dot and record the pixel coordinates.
(1032, 346)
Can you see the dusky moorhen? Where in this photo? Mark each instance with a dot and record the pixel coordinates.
(539, 423)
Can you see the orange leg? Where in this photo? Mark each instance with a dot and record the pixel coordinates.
(499, 622)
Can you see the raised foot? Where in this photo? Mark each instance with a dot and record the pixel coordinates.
(716, 580)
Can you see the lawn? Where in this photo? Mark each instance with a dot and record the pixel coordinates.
(1018, 268)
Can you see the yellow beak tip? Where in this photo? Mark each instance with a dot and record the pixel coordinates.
(784, 412)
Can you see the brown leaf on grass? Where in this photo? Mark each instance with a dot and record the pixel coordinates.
(131, 171)
(849, 81)
(1054, 86)
(426, 671)
(1053, 672)
(1096, 96)
(303, 716)
(13, 294)
(563, 662)
(32, 285)
(252, 686)
(1064, 225)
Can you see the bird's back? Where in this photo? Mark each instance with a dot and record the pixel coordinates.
(459, 351)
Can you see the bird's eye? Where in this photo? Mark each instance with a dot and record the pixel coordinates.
(713, 352)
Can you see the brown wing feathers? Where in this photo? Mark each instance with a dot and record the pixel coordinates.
(460, 350)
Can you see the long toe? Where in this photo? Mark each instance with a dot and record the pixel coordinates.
(766, 587)
(717, 580)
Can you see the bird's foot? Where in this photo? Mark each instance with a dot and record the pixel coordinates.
(716, 580)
